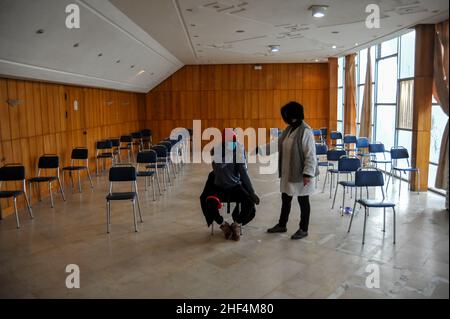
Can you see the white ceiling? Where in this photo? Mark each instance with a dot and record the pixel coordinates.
(51, 56)
(160, 36)
(204, 31)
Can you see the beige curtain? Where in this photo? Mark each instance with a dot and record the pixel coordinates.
(440, 92)
(365, 129)
(350, 95)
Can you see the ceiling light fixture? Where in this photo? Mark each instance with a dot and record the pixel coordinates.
(274, 48)
(334, 47)
(318, 11)
(40, 31)
(240, 31)
(356, 44)
(141, 72)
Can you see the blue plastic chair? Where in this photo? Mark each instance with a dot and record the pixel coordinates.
(348, 141)
(375, 149)
(346, 165)
(318, 136)
(324, 133)
(14, 173)
(148, 158)
(332, 156)
(371, 177)
(399, 153)
(122, 173)
(362, 147)
(335, 136)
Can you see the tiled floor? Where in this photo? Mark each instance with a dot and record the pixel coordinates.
(174, 255)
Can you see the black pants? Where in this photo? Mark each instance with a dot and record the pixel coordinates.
(305, 210)
(238, 194)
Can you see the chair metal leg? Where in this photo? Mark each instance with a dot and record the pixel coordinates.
(343, 202)
(351, 218)
(157, 181)
(108, 217)
(418, 185)
(15, 211)
(325, 181)
(364, 227)
(96, 166)
(400, 184)
(153, 187)
(139, 208)
(335, 192)
(51, 194)
(384, 219)
(89, 176)
(389, 178)
(31, 190)
(61, 190)
(134, 215)
(331, 183)
(30, 210)
(393, 209)
(79, 181)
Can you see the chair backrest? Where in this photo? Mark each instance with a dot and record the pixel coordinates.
(147, 157)
(324, 131)
(350, 139)
(335, 135)
(376, 148)
(115, 142)
(146, 132)
(126, 139)
(48, 161)
(349, 164)
(321, 149)
(369, 178)
(399, 153)
(161, 150)
(136, 135)
(317, 132)
(80, 153)
(334, 155)
(362, 142)
(103, 145)
(122, 174)
(12, 172)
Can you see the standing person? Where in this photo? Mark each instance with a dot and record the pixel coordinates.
(297, 168)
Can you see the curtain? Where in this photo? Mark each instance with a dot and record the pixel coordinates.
(440, 92)
(350, 95)
(365, 129)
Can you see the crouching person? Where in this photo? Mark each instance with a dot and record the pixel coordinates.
(229, 182)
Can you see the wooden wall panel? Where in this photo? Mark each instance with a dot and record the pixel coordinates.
(46, 122)
(238, 96)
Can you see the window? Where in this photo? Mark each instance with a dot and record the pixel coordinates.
(385, 125)
(340, 103)
(387, 80)
(407, 50)
(438, 122)
(389, 47)
(404, 138)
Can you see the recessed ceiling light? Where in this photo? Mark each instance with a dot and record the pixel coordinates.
(141, 72)
(100, 54)
(132, 67)
(274, 48)
(356, 44)
(76, 45)
(195, 36)
(193, 25)
(118, 61)
(335, 32)
(189, 10)
(240, 31)
(317, 60)
(318, 11)
(334, 47)
(40, 31)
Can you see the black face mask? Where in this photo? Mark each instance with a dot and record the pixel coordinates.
(292, 114)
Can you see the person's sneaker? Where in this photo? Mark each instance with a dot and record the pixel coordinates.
(277, 229)
(236, 231)
(226, 230)
(299, 234)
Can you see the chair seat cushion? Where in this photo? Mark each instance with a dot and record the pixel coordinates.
(347, 183)
(42, 179)
(104, 155)
(325, 164)
(7, 194)
(159, 165)
(74, 168)
(381, 161)
(121, 196)
(405, 169)
(375, 203)
(145, 173)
